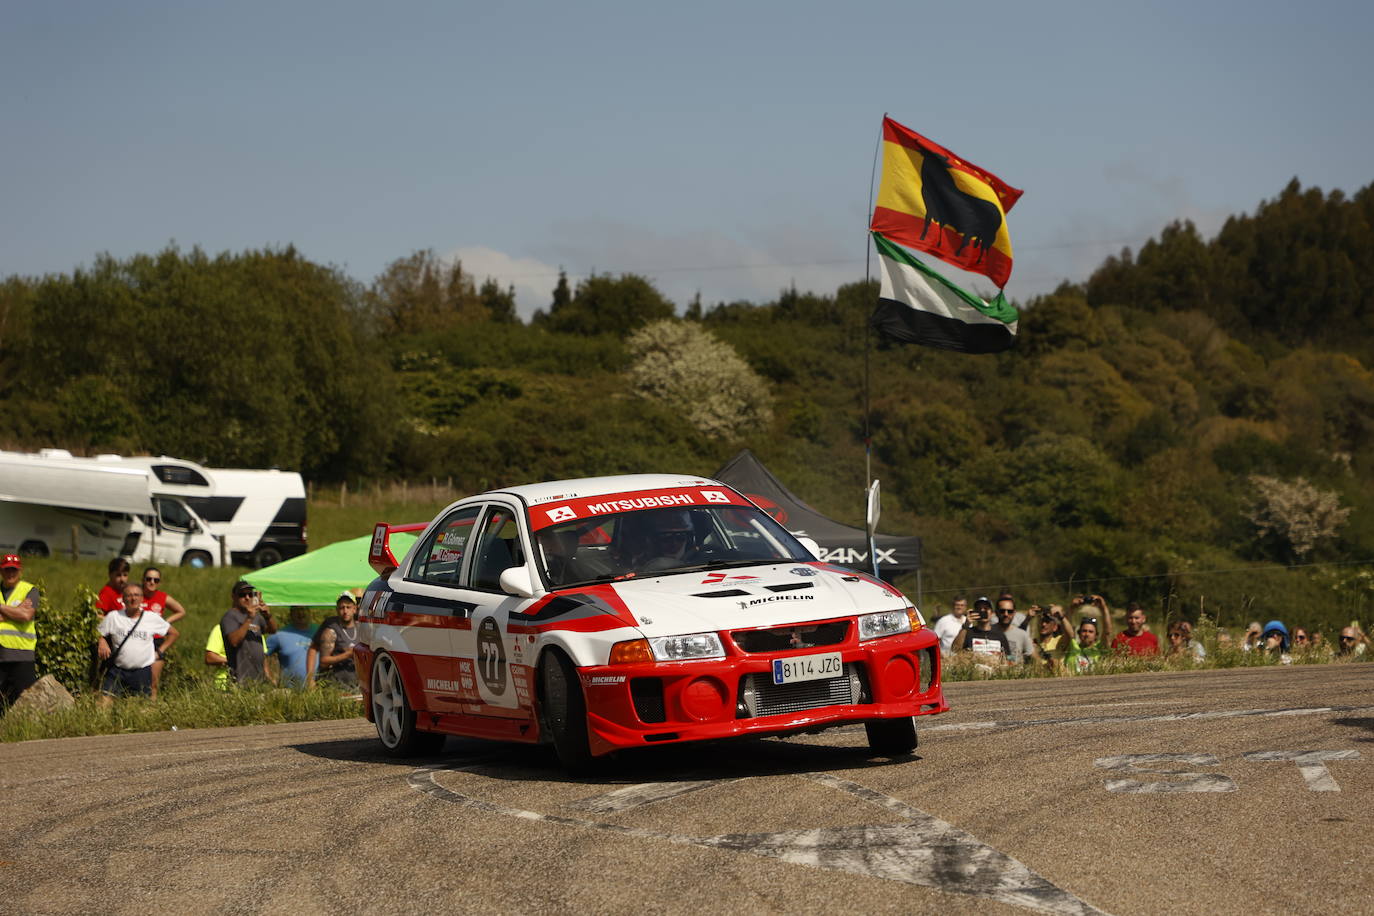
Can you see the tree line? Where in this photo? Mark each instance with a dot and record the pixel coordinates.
(1197, 406)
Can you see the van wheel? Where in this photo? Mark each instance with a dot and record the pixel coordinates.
(392, 715)
(266, 556)
(197, 559)
(33, 549)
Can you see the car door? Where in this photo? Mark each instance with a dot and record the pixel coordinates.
(499, 667)
(431, 601)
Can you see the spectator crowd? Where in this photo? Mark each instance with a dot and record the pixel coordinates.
(136, 633)
(247, 645)
(1076, 639)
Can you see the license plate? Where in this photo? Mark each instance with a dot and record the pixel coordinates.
(807, 668)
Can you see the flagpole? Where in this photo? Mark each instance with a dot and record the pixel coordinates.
(868, 324)
(868, 337)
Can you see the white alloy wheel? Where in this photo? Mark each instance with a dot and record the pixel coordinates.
(388, 701)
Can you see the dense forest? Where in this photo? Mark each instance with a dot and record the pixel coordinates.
(1190, 427)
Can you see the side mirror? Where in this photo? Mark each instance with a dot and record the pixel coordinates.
(517, 581)
(811, 547)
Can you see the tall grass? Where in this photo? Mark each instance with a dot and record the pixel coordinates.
(196, 705)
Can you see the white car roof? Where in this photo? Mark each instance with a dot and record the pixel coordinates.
(534, 493)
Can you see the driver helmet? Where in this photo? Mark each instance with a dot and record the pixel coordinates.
(673, 528)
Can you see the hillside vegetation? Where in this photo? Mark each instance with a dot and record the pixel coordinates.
(1189, 427)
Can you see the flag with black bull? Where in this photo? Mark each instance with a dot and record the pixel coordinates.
(933, 201)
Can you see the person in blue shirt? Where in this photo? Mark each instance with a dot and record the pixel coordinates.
(290, 645)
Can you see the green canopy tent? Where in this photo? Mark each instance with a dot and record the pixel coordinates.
(316, 578)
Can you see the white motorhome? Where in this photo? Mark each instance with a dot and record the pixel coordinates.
(261, 514)
(52, 502)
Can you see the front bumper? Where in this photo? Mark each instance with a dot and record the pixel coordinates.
(665, 702)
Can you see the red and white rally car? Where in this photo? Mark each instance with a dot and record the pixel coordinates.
(619, 612)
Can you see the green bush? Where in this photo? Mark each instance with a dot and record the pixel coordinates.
(66, 633)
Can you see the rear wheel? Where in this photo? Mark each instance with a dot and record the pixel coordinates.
(891, 737)
(394, 718)
(565, 711)
(266, 556)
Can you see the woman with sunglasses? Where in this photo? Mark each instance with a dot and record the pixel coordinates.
(157, 601)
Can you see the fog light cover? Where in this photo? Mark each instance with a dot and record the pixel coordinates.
(883, 623)
(684, 648)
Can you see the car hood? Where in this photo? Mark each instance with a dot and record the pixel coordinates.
(757, 596)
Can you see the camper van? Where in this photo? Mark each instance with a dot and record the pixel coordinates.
(52, 502)
(260, 513)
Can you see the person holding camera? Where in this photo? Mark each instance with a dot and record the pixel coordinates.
(1052, 640)
(980, 637)
(243, 626)
(1094, 631)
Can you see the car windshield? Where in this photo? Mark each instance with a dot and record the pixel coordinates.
(655, 542)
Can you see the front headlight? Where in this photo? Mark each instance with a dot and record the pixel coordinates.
(883, 623)
(681, 648)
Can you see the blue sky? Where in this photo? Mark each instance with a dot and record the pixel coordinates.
(720, 148)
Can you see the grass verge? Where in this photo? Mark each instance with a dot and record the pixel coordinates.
(195, 705)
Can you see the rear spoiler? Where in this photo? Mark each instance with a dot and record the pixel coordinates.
(379, 555)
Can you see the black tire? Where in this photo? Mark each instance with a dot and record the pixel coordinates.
(33, 549)
(393, 715)
(198, 559)
(564, 711)
(891, 737)
(269, 555)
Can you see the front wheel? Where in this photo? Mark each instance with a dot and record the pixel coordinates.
(565, 711)
(891, 737)
(33, 549)
(197, 559)
(392, 715)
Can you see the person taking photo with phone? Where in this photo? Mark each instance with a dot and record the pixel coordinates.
(980, 637)
(243, 626)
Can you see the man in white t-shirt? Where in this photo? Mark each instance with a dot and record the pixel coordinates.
(126, 640)
(948, 626)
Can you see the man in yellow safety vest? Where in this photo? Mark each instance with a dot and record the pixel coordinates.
(18, 630)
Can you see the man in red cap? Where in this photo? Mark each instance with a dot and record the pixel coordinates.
(18, 630)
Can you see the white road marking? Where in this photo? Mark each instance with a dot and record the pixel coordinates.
(644, 794)
(1311, 764)
(1168, 717)
(1179, 781)
(925, 851)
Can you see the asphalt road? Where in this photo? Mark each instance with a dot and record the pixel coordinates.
(1027, 796)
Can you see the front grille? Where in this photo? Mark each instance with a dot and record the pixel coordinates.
(759, 696)
(780, 639)
(647, 693)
